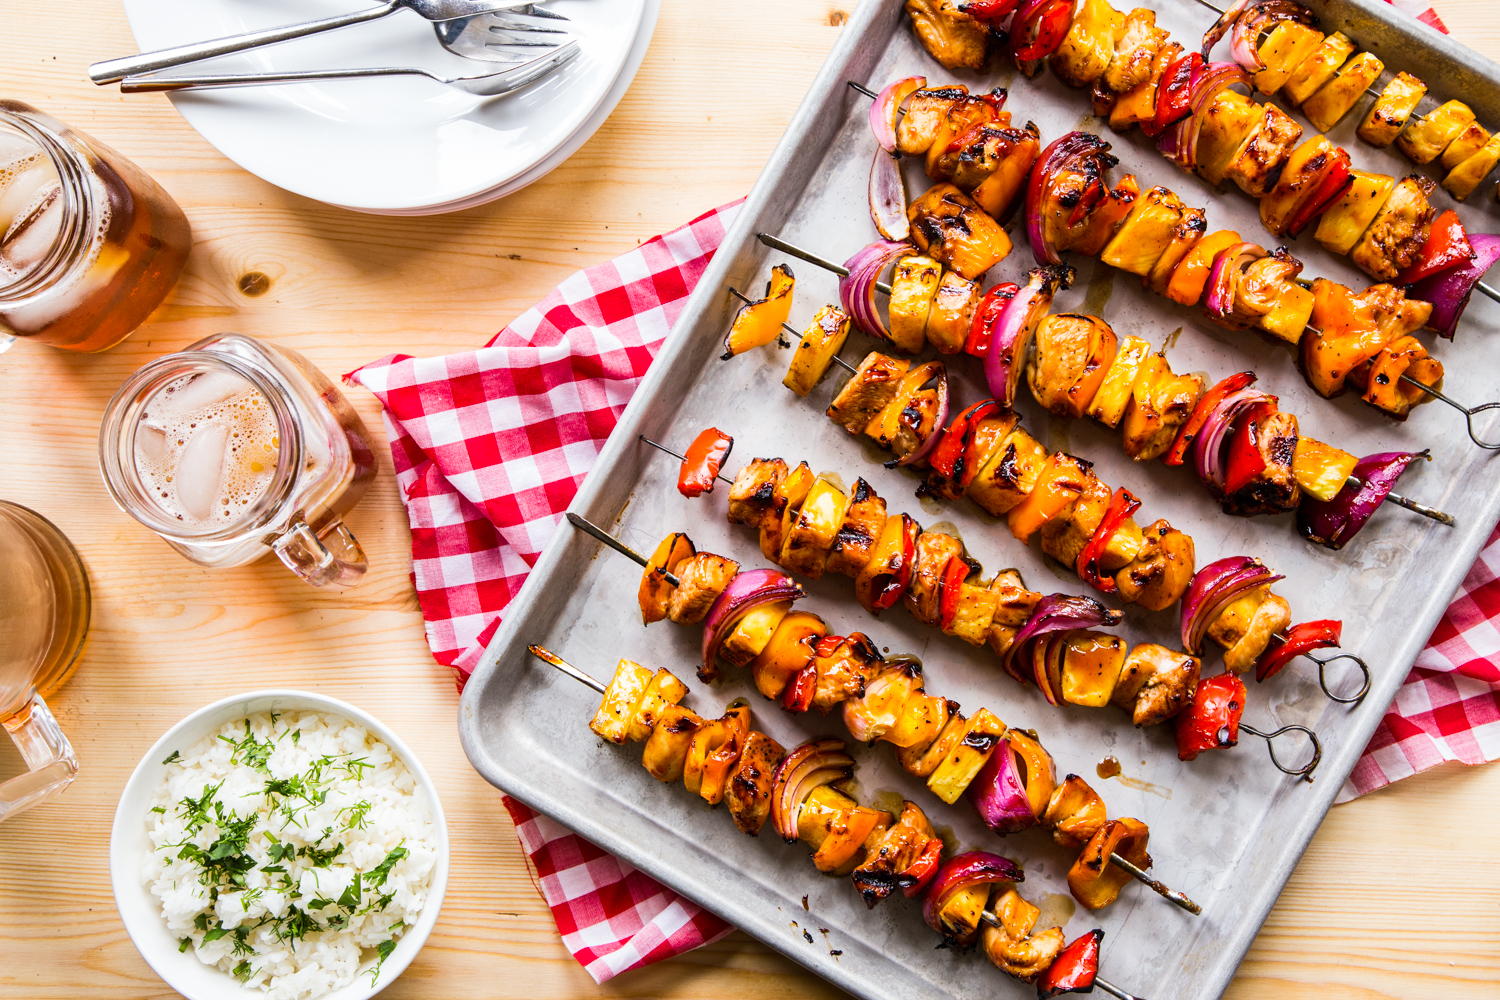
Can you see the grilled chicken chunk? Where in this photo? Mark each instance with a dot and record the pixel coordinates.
(1065, 536)
(1275, 488)
(1156, 683)
(748, 794)
(925, 111)
(1245, 628)
(1395, 239)
(1159, 575)
(1075, 812)
(872, 386)
(752, 497)
(703, 578)
(950, 36)
(893, 852)
(1073, 354)
(934, 549)
(857, 535)
(1257, 165)
(1012, 946)
(1135, 51)
(948, 226)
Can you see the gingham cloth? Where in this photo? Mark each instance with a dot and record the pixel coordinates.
(490, 447)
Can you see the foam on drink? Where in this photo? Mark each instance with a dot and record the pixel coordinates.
(206, 448)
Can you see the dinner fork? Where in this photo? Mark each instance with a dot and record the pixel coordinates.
(114, 70)
(486, 36)
(495, 83)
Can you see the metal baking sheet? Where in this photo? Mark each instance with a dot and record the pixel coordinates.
(1226, 829)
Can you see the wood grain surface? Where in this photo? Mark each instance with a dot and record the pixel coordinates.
(1395, 898)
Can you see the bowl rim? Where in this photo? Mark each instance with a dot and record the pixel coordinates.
(124, 871)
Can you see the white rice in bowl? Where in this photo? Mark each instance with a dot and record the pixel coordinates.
(292, 851)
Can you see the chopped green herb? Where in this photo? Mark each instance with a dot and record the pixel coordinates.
(319, 903)
(214, 934)
(182, 945)
(357, 813)
(174, 758)
(243, 971)
(384, 951)
(201, 921)
(350, 899)
(375, 877)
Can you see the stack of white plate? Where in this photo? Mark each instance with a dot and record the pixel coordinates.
(395, 145)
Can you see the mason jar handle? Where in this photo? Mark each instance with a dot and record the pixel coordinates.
(50, 763)
(311, 557)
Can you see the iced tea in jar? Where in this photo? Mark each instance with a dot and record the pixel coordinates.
(236, 448)
(89, 244)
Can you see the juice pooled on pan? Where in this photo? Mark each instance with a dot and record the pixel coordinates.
(89, 244)
(234, 449)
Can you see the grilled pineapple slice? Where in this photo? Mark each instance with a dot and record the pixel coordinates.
(664, 689)
(621, 696)
(1091, 666)
(1321, 469)
(1144, 235)
(1299, 180)
(1189, 230)
(1227, 123)
(821, 342)
(807, 544)
(1089, 46)
(1431, 134)
(925, 111)
(1108, 404)
(1343, 224)
(966, 758)
(1468, 175)
(952, 313)
(1464, 145)
(752, 633)
(1387, 116)
(913, 286)
(1159, 403)
(1317, 69)
(1284, 50)
(1335, 98)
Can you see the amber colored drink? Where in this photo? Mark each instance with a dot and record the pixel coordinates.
(44, 607)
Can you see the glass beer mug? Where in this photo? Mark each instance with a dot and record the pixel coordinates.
(90, 245)
(234, 449)
(44, 616)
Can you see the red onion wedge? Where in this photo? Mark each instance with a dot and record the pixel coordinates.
(999, 793)
(960, 872)
(1214, 588)
(1006, 357)
(1067, 153)
(1226, 21)
(1449, 291)
(1054, 613)
(809, 766)
(887, 107)
(1257, 19)
(888, 197)
(1208, 446)
(1332, 523)
(857, 288)
(1208, 82)
(746, 592)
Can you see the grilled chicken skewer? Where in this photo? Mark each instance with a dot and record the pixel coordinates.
(724, 760)
(1126, 385)
(1252, 630)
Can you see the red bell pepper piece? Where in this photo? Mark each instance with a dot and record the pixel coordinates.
(1041, 34)
(948, 455)
(1447, 246)
(990, 13)
(1245, 461)
(1336, 180)
(1121, 506)
(827, 645)
(954, 575)
(700, 467)
(896, 582)
(1206, 405)
(982, 328)
(1172, 93)
(915, 878)
(1074, 968)
(1212, 721)
(798, 695)
(1294, 642)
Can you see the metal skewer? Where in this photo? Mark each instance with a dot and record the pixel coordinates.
(552, 659)
(680, 458)
(1305, 772)
(584, 524)
(793, 250)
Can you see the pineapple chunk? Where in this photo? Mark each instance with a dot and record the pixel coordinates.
(1321, 469)
(913, 286)
(1186, 236)
(1160, 402)
(1289, 315)
(1343, 224)
(1431, 134)
(1468, 175)
(621, 696)
(967, 757)
(1317, 69)
(1335, 98)
(1010, 473)
(664, 689)
(1229, 121)
(1145, 233)
(1465, 144)
(1091, 668)
(821, 342)
(1089, 46)
(1108, 404)
(810, 539)
(1387, 116)
(752, 633)
(974, 615)
(1283, 51)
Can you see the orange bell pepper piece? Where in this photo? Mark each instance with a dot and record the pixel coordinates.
(1092, 880)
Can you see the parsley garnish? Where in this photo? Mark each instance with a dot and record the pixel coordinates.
(384, 951)
(376, 877)
(174, 758)
(243, 971)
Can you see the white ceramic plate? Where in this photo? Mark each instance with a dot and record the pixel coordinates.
(129, 844)
(398, 145)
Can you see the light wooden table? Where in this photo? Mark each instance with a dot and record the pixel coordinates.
(1396, 897)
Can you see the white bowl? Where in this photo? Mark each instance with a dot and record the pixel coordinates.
(128, 845)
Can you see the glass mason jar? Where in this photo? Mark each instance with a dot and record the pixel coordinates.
(89, 244)
(236, 448)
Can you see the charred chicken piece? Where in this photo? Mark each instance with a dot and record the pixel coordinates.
(934, 549)
(857, 535)
(897, 850)
(950, 36)
(1155, 683)
(1273, 439)
(1245, 628)
(703, 578)
(1161, 571)
(1073, 354)
(1257, 165)
(1160, 402)
(843, 673)
(1013, 947)
(925, 112)
(752, 497)
(948, 226)
(1135, 51)
(869, 390)
(1065, 536)
(1395, 239)
(748, 795)
(1075, 812)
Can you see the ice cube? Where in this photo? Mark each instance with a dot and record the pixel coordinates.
(150, 442)
(200, 469)
(18, 191)
(31, 236)
(204, 391)
(15, 147)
